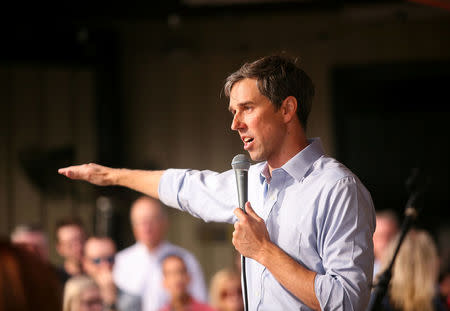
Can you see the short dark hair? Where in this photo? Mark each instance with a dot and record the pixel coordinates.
(277, 78)
(173, 255)
(66, 222)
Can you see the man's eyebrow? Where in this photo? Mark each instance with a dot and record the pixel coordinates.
(240, 105)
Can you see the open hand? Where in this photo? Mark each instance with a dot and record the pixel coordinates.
(93, 173)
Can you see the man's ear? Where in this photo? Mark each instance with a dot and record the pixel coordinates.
(289, 108)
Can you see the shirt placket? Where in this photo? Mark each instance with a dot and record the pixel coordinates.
(271, 191)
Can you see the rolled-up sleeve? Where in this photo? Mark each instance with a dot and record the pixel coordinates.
(346, 247)
(204, 194)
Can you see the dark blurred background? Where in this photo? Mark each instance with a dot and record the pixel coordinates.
(139, 86)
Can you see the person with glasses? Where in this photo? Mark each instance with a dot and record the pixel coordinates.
(98, 262)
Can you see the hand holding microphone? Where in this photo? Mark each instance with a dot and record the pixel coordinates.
(250, 232)
(241, 164)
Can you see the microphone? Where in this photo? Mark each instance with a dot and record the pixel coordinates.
(241, 164)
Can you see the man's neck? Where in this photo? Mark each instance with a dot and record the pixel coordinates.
(293, 147)
(152, 248)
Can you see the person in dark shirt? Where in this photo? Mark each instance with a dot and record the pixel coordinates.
(70, 239)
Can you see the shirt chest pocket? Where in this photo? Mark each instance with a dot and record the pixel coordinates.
(286, 234)
(295, 234)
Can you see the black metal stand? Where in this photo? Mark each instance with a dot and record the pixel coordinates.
(382, 286)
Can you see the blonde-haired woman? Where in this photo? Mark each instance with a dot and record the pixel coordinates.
(225, 291)
(413, 286)
(81, 293)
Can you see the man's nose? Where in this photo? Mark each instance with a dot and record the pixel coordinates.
(236, 124)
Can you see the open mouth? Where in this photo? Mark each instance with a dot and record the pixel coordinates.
(247, 142)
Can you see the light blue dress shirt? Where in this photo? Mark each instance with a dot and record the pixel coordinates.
(315, 209)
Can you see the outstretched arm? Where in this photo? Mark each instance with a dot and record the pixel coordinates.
(146, 182)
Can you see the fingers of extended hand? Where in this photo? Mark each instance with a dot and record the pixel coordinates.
(88, 171)
(93, 173)
(72, 171)
(67, 171)
(63, 171)
(84, 171)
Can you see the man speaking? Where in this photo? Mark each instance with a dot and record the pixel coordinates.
(308, 229)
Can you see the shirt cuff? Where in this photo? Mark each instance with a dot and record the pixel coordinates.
(169, 186)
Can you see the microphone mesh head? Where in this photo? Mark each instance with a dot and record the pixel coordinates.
(240, 162)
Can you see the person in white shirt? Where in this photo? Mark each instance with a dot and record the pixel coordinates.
(138, 270)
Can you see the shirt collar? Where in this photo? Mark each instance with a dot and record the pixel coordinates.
(299, 164)
(157, 251)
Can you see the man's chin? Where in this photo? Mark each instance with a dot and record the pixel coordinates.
(256, 157)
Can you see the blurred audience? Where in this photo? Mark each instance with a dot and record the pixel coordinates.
(81, 293)
(444, 284)
(98, 262)
(26, 281)
(138, 270)
(32, 238)
(386, 229)
(70, 239)
(443, 238)
(225, 291)
(237, 260)
(176, 279)
(413, 286)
